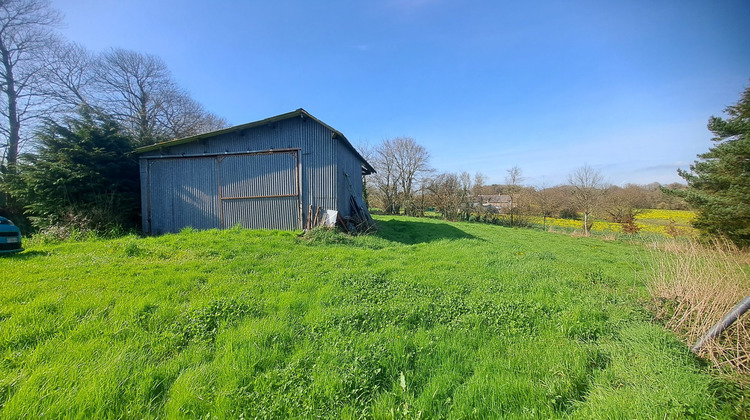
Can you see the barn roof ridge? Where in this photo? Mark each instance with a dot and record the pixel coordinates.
(296, 113)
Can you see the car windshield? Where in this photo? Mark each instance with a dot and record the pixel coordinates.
(4, 221)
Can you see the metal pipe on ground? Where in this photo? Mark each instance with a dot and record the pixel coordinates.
(722, 325)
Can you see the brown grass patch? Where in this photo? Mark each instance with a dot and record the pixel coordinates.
(694, 287)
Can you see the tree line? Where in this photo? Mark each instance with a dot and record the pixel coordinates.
(405, 183)
(70, 118)
(717, 187)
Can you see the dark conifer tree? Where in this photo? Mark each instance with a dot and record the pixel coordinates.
(719, 182)
(83, 169)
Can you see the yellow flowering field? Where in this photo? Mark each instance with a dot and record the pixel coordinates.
(664, 217)
(649, 221)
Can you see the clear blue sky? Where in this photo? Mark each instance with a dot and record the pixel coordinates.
(624, 86)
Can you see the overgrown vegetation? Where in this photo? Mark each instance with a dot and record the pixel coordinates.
(694, 286)
(426, 319)
(83, 176)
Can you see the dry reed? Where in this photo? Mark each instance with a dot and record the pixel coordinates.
(694, 287)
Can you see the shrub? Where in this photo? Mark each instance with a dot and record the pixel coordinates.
(568, 214)
(81, 175)
(629, 226)
(325, 235)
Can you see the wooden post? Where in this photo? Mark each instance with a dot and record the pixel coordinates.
(309, 214)
(317, 216)
(342, 222)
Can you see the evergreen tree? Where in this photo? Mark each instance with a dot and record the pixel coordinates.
(82, 172)
(719, 183)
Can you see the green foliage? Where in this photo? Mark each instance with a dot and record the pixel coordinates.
(82, 176)
(719, 183)
(425, 319)
(325, 235)
(203, 323)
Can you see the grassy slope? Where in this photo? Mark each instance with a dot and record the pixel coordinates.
(427, 318)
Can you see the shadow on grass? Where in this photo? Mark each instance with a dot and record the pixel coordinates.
(24, 255)
(413, 232)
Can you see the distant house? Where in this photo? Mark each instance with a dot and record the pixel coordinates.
(500, 202)
(277, 173)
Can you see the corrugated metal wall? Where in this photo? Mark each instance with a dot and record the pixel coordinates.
(258, 175)
(260, 191)
(181, 193)
(350, 179)
(145, 196)
(261, 213)
(320, 180)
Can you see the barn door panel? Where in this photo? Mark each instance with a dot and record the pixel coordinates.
(260, 191)
(261, 213)
(185, 193)
(160, 200)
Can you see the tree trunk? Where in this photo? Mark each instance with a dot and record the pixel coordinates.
(14, 136)
(586, 223)
(14, 126)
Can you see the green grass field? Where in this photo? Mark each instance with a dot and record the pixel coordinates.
(426, 319)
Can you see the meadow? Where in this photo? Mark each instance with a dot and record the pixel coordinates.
(425, 319)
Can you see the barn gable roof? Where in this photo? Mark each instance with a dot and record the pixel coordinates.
(337, 135)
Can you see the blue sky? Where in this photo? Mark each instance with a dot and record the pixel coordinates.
(624, 86)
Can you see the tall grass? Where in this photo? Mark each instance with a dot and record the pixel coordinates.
(694, 286)
(425, 319)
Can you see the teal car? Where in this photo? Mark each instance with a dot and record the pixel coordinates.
(10, 237)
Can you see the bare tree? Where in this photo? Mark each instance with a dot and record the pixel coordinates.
(183, 116)
(446, 194)
(25, 33)
(401, 165)
(69, 77)
(134, 87)
(385, 179)
(479, 183)
(475, 200)
(547, 201)
(588, 185)
(412, 163)
(465, 198)
(624, 204)
(514, 188)
(139, 92)
(367, 151)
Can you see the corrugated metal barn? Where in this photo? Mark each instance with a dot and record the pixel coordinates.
(264, 175)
